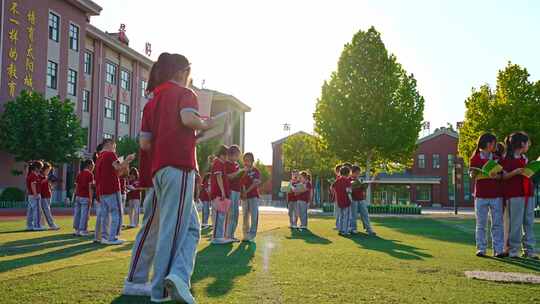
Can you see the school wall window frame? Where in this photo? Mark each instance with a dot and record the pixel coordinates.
(52, 75)
(88, 62)
(110, 72)
(436, 161)
(451, 164)
(144, 84)
(421, 161)
(125, 80)
(107, 136)
(423, 193)
(74, 37)
(54, 27)
(72, 82)
(124, 113)
(109, 106)
(86, 101)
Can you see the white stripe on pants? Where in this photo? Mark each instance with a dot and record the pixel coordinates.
(521, 224)
(80, 214)
(144, 248)
(250, 212)
(220, 222)
(293, 214)
(303, 213)
(484, 207)
(364, 215)
(134, 211)
(234, 214)
(45, 205)
(111, 216)
(205, 212)
(344, 215)
(33, 216)
(179, 228)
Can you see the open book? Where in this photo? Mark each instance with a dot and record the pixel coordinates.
(285, 186)
(532, 168)
(357, 183)
(490, 167)
(221, 128)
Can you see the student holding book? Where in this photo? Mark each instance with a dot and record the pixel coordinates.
(291, 201)
(518, 191)
(488, 201)
(220, 192)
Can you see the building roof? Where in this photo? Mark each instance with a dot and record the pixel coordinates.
(405, 178)
(118, 46)
(437, 133)
(282, 140)
(220, 96)
(89, 7)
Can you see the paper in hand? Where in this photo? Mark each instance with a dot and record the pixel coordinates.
(221, 128)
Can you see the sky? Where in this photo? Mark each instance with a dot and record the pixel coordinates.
(275, 55)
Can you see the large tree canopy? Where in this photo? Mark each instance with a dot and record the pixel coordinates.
(510, 107)
(370, 108)
(32, 127)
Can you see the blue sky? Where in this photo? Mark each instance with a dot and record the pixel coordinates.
(275, 55)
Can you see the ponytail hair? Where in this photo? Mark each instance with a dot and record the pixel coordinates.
(515, 141)
(165, 68)
(484, 140)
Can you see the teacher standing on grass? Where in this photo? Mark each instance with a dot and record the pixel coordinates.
(171, 139)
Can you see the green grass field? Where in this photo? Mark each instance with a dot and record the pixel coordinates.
(413, 260)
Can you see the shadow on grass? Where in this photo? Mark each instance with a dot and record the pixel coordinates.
(393, 248)
(223, 265)
(36, 244)
(46, 257)
(430, 228)
(131, 299)
(308, 236)
(520, 262)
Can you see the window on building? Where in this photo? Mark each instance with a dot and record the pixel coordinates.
(52, 75)
(73, 37)
(144, 84)
(466, 185)
(72, 82)
(109, 108)
(86, 101)
(54, 25)
(107, 136)
(124, 113)
(110, 73)
(436, 161)
(450, 177)
(423, 193)
(421, 161)
(125, 80)
(88, 63)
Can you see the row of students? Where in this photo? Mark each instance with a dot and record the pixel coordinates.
(38, 187)
(226, 187)
(507, 196)
(348, 193)
(299, 198)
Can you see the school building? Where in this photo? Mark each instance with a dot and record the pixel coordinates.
(49, 46)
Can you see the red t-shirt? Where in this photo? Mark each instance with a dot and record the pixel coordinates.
(145, 169)
(519, 185)
(357, 193)
(33, 178)
(248, 179)
(218, 168)
(134, 194)
(231, 167)
(485, 187)
(304, 196)
(205, 195)
(45, 188)
(291, 196)
(109, 183)
(340, 187)
(97, 177)
(173, 144)
(83, 180)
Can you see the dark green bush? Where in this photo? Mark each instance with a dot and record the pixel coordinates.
(12, 194)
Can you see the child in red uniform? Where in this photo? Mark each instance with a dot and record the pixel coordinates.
(518, 194)
(302, 199)
(250, 181)
(45, 201)
(233, 172)
(337, 169)
(204, 197)
(487, 197)
(98, 233)
(292, 201)
(342, 188)
(83, 198)
(220, 190)
(133, 198)
(33, 182)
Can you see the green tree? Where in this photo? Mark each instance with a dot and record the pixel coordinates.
(206, 149)
(32, 127)
(508, 108)
(127, 145)
(263, 170)
(370, 110)
(299, 152)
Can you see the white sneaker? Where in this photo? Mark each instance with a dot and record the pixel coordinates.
(113, 242)
(103, 241)
(54, 228)
(83, 233)
(76, 233)
(162, 300)
(219, 241)
(178, 290)
(137, 289)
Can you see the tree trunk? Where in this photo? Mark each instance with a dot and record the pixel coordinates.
(368, 178)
